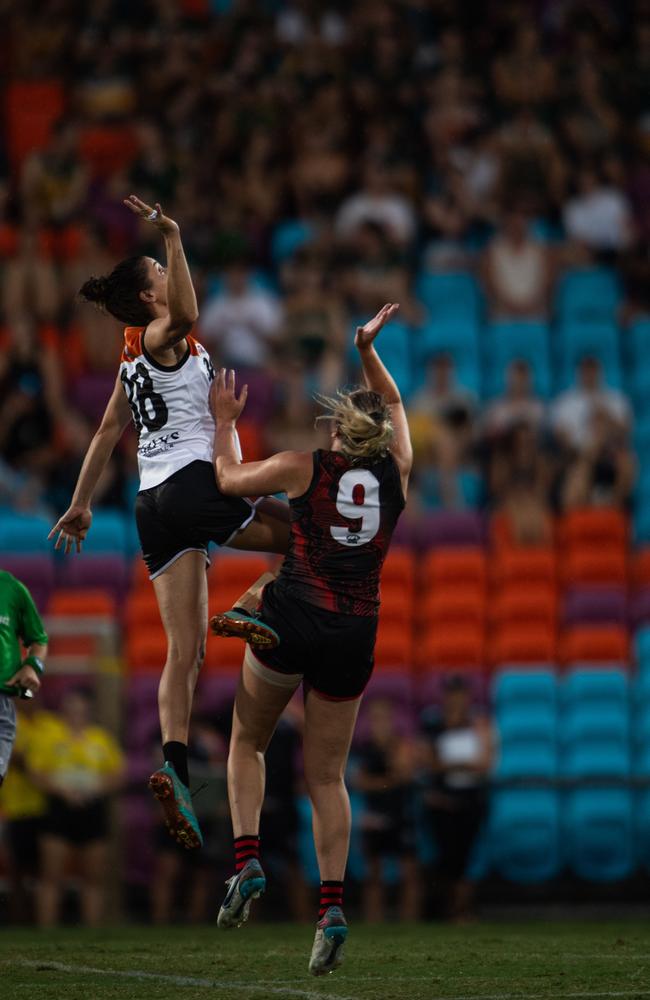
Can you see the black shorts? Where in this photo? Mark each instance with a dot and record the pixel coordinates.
(77, 825)
(184, 514)
(335, 653)
(22, 839)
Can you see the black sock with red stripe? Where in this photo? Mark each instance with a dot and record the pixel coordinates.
(331, 894)
(246, 847)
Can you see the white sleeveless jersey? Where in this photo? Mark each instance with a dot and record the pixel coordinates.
(170, 407)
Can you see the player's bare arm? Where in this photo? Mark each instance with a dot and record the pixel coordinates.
(378, 379)
(73, 527)
(166, 331)
(289, 472)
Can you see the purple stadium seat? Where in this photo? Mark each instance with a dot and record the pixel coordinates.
(261, 395)
(428, 687)
(403, 718)
(397, 688)
(640, 608)
(91, 392)
(110, 572)
(214, 692)
(405, 533)
(463, 527)
(595, 605)
(35, 571)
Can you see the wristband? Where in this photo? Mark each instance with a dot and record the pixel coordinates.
(36, 663)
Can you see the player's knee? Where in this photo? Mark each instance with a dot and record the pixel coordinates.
(322, 777)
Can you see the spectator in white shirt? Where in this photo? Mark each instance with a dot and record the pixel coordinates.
(377, 202)
(599, 215)
(517, 405)
(573, 412)
(241, 323)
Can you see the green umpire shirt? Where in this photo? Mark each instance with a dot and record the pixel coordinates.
(19, 621)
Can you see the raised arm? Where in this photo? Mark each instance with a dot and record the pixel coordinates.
(165, 331)
(378, 379)
(287, 472)
(73, 526)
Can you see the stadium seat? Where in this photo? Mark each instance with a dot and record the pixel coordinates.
(453, 605)
(107, 571)
(534, 604)
(457, 338)
(528, 564)
(594, 722)
(588, 295)
(24, 534)
(236, 571)
(518, 723)
(594, 526)
(594, 644)
(598, 339)
(36, 571)
(108, 533)
(595, 563)
(642, 646)
(642, 829)
(396, 605)
(399, 568)
(595, 604)
(524, 834)
(596, 687)
(32, 108)
(596, 759)
(394, 646)
(639, 609)
(522, 644)
(396, 687)
(82, 603)
(598, 834)
(396, 352)
(454, 567)
(517, 340)
(146, 650)
(449, 296)
(288, 237)
(450, 528)
(527, 761)
(223, 654)
(141, 611)
(641, 521)
(524, 687)
(453, 647)
(215, 692)
(429, 685)
(90, 393)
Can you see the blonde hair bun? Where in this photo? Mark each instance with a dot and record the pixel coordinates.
(363, 422)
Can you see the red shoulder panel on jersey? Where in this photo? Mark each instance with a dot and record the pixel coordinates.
(132, 343)
(192, 344)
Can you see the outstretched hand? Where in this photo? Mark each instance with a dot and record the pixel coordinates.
(367, 333)
(154, 215)
(224, 403)
(72, 528)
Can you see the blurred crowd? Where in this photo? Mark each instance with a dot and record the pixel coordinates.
(73, 818)
(320, 156)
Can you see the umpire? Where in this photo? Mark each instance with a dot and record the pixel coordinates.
(20, 625)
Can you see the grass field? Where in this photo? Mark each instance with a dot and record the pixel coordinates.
(399, 962)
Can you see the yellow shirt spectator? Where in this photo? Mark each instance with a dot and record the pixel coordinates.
(19, 796)
(75, 760)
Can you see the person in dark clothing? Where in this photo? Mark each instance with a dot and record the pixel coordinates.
(460, 751)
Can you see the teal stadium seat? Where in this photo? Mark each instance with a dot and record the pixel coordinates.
(588, 295)
(108, 533)
(598, 834)
(527, 761)
(395, 349)
(599, 339)
(517, 340)
(593, 722)
(449, 296)
(524, 834)
(459, 338)
(24, 533)
(525, 687)
(587, 686)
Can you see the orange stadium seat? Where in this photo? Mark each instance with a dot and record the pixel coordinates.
(595, 644)
(224, 655)
(453, 605)
(595, 563)
(442, 567)
(82, 603)
(399, 568)
(394, 647)
(528, 564)
(140, 576)
(501, 532)
(523, 644)
(640, 569)
(458, 646)
(33, 106)
(141, 611)
(594, 526)
(107, 148)
(534, 603)
(251, 440)
(236, 572)
(396, 605)
(146, 650)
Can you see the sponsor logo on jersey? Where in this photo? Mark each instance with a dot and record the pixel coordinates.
(159, 445)
(5, 620)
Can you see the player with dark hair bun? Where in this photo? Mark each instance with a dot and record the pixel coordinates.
(163, 385)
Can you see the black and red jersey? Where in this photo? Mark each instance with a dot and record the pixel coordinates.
(340, 533)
